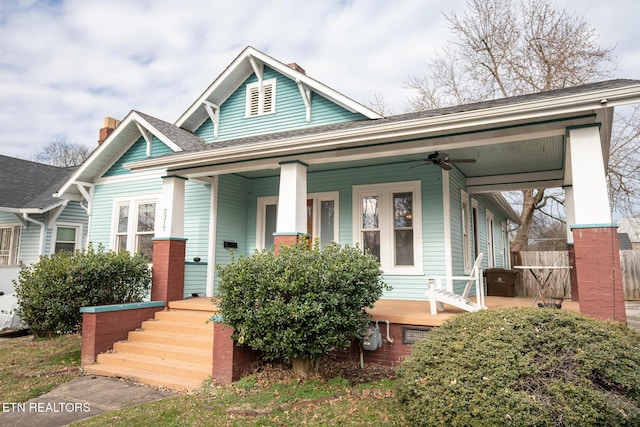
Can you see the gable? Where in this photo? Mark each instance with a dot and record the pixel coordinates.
(285, 111)
(138, 151)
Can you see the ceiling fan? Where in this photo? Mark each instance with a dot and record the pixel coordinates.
(443, 160)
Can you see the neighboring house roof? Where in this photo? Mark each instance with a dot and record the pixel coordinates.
(631, 227)
(28, 187)
(624, 243)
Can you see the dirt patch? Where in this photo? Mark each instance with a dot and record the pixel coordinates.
(328, 368)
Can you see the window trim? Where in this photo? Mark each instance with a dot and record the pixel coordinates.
(465, 230)
(132, 222)
(387, 245)
(261, 100)
(54, 234)
(491, 244)
(317, 198)
(14, 249)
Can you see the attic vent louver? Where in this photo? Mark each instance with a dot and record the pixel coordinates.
(261, 102)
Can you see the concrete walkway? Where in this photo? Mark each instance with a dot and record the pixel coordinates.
(81, 398)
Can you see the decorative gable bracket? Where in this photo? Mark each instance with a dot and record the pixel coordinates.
(86, 189)
(148, 136)
(213, 111)
(258, 68)
(305, 93)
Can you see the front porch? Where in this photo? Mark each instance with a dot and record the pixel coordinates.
(417, 312)
(177, 346)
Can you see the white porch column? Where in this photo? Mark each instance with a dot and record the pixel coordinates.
(292, 199)
(591, 200)
(170, 213)
(570, 209)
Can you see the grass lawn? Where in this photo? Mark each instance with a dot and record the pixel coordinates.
(251, 402)
(30, 367)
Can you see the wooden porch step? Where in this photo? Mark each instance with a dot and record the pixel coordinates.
(191, 328)
(190, 316)
(154, 379)
(163, 337)
(173, 350)
(156, 365)
(165, 351)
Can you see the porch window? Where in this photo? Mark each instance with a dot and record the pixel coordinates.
(134, 226)
(387, 222)
(9, 238)
(67, 238)
(322, 219)
(260, 102)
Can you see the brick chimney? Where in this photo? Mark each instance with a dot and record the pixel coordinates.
(109, 125)
(297, 68)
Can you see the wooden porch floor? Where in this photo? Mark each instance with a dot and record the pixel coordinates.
(418, 312)
(404, 312)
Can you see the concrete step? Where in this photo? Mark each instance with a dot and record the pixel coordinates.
(195, 371)
(155, 379)
(162, 337)
(190, 328)
(165, 351)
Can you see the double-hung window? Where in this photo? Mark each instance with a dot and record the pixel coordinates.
(9, 238)
(387, 221)
(67, 237)
(134, 226)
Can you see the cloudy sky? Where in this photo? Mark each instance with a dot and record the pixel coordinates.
(66, 64)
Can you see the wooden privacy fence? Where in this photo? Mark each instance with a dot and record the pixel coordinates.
(559, 280)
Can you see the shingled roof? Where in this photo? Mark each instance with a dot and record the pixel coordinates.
(29, 185)
(513, 100)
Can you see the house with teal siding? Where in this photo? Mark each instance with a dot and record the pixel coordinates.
(268, 155)
(33, 223)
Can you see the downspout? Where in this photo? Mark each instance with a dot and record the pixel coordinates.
(43, 229)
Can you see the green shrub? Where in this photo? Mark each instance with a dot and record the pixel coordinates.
(51, 292)
(523, 367)
(302, 303)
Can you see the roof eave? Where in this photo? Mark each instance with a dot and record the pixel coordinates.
(416, 127)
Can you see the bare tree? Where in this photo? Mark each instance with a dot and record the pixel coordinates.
(379, 104)
(61, 153)
(623, 170)
(506, 48)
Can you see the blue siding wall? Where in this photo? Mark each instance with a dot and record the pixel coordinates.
(290, 112)
(237, 192)
(197, 214)
(103, 202)
(231, 217)
(138, 151)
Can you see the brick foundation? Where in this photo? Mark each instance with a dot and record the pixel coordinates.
(230, 361)
(101, 329)
(390, 354)
(168, 269)
(598, 273)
